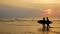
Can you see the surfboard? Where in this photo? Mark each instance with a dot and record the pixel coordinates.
(44, 22)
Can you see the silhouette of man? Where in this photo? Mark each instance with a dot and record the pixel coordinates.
(48, 22)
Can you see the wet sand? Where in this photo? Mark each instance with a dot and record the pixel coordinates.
(18, 28)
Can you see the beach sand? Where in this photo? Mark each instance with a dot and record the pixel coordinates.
(27, 27)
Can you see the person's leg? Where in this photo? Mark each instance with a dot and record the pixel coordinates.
(47, 26)
(43, 26)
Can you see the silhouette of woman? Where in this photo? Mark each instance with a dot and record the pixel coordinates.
(42, 22)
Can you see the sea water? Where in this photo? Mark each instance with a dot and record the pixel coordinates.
(27, 26)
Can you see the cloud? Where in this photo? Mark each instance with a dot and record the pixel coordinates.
(26, 8)
(10, 11)
(32, 4)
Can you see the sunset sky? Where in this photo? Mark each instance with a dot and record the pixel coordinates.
(29, 8)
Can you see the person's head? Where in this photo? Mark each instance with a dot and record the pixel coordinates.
(47, 18)
(43, 18)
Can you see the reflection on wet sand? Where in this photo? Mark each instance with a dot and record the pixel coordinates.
(26, 30)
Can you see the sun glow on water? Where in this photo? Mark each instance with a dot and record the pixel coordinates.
(48, 11)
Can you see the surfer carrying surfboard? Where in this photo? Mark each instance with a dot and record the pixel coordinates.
(48, 22)
(43, 22)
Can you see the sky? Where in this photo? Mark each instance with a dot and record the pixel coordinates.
(29, 8)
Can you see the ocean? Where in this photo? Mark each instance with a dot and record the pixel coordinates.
(27, 26)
